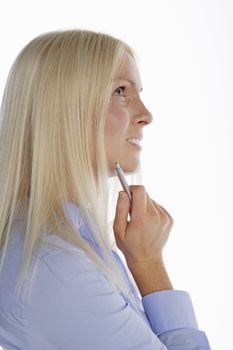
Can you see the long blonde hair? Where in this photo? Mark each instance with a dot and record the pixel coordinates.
(52, 132)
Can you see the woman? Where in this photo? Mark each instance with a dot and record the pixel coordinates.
(71, 109)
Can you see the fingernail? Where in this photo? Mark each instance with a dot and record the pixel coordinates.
(122, 195)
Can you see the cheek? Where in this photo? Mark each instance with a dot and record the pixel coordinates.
(117, 121)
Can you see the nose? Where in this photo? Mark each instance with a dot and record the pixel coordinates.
(143, 115)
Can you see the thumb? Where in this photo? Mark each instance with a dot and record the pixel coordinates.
(122, 210)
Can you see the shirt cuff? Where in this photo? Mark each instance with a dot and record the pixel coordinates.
(168, 310)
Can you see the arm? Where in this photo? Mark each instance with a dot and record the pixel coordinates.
(141, 240)
(150, 276)
(170, 312)
(72, 306)
(171, 316)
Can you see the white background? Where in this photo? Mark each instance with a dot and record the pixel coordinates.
(185, 51)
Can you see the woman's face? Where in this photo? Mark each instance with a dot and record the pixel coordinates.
(126, 117)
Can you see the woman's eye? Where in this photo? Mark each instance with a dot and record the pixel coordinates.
(120, 90)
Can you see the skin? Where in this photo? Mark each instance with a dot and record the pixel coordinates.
(126, 117)
(142, 238)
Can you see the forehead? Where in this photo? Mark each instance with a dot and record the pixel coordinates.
(128, 70)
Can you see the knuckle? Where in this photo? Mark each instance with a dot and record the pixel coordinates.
(171, 221)
(137, 188)
(167, 219)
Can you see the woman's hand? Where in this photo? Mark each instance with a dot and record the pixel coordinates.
(142, 238)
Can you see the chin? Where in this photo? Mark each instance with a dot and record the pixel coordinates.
(130, 170)
(130, 166)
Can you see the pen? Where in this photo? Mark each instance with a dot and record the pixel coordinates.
(123, 181)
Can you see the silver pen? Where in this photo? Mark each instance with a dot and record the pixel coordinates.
(123, 181)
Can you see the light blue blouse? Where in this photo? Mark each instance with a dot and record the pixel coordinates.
(72, 306)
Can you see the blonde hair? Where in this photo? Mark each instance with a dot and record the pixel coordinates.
(52, 132)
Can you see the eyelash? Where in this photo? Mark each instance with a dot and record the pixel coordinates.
(120, 87)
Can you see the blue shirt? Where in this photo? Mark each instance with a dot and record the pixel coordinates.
(72, 306)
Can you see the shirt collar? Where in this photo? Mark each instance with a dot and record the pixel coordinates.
(73, 214)
(77, 218)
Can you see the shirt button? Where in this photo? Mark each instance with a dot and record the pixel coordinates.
(132, 294)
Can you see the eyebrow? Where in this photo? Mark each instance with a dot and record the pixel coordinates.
(129, 81)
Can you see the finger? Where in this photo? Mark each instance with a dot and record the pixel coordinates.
(162, 209)
(121, 216)
(139, 201)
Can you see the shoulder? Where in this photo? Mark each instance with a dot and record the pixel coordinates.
(65, 262)
(56, 261)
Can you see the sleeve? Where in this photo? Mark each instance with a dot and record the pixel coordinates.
(172, 319)
(72, 306)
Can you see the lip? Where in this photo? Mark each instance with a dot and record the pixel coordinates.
(139, 137)
(138, 147)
